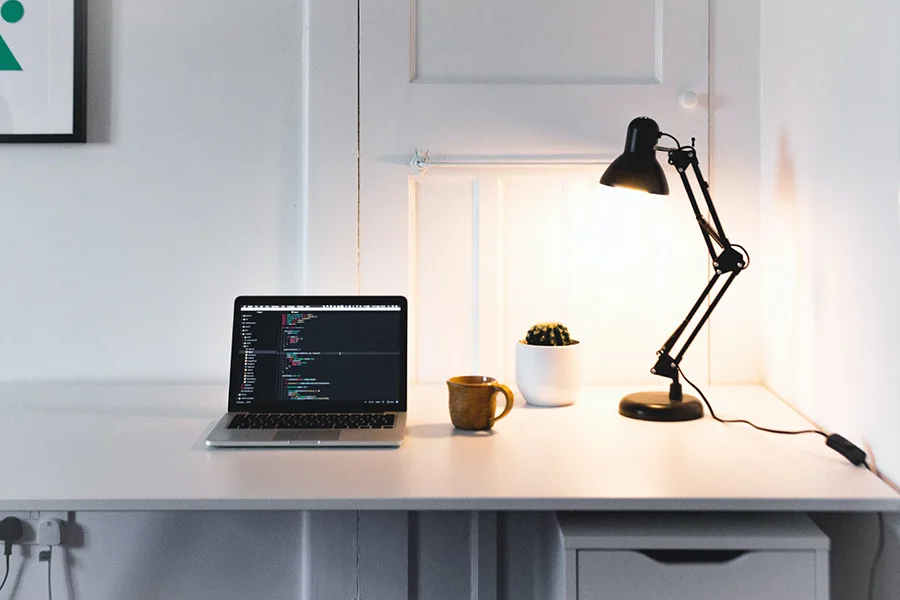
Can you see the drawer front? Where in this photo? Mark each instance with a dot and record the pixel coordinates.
(633, 575)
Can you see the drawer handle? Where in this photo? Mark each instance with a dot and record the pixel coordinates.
(678, 557)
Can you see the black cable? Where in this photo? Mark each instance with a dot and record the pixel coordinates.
(836, 442)
(878, 551)
(669, 135)
(755, 426)
(7, 573)
(746, 255)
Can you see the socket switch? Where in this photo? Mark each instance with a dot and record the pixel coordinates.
(50, 532)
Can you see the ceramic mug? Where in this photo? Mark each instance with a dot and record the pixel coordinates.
(473, 401)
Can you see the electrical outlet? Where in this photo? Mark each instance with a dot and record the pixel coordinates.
(30, 521)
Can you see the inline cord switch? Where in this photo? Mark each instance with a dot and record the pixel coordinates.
(846, 448)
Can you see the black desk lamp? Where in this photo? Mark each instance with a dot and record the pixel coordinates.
(637, 168)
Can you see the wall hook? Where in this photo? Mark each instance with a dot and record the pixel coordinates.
(419, 162)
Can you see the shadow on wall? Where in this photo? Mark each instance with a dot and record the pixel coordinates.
(530, 543)
(170, 555)
(100, 34)
(887, 575)
(786, 175)
(854, 543)
(789, 298)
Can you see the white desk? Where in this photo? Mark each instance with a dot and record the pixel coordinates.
(117, 447)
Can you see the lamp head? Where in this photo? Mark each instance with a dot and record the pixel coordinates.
(637, 168)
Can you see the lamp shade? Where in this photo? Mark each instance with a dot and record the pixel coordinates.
(637, 168)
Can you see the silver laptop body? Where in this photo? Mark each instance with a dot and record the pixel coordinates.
(316, 371)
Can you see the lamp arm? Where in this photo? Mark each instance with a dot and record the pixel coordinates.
(667, 347)
(666, 366)
(705, 316)
(683, 158)
(728, 261)
(704, 189)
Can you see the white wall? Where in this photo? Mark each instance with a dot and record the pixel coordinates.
(830, 140)
(122, 250)
(121, 258)
(734, 329)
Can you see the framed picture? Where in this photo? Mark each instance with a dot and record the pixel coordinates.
(43, 71)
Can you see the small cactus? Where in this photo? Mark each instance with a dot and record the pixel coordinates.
(549, 334)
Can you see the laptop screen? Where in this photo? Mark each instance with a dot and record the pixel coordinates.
(318, 354)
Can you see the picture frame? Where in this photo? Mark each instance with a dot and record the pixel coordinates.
(43, 71)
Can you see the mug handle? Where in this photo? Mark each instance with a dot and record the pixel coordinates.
(498, 389)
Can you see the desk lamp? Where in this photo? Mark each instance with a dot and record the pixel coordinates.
(637, 168)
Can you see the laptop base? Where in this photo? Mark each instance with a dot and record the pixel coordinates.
(223, 437)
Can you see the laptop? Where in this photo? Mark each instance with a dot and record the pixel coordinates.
(316, 371)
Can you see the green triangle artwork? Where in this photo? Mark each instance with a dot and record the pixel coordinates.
(11, 12)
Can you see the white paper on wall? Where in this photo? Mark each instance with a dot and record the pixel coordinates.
(36, 66)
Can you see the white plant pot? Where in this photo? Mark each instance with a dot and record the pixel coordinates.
(549, 375)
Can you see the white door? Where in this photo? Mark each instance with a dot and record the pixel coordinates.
(482, 252)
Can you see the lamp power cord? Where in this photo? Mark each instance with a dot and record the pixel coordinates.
(839, 444)
(836, 442)
(7, 573)
(879, 550)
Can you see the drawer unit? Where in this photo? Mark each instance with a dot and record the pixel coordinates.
(686, 556)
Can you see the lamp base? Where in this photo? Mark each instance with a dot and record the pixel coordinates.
(656, 406)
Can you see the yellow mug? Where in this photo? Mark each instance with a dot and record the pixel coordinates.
(473, 401)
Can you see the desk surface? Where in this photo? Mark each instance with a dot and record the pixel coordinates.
(118, 447)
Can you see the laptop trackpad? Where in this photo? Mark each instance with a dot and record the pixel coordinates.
(303, 436)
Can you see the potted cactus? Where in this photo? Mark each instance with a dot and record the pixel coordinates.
(548, 365)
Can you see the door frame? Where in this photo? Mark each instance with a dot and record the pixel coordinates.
(329, 215)
(330, 165)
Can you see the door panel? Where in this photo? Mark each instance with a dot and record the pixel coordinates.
(490, 259)
(470, 41)
(483, 252)
(442, 252)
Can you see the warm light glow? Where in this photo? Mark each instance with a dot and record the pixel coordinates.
(625, 187)
(634, 193)
(614, 219)
(619, 267)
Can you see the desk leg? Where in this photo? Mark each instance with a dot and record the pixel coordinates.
(432, 555)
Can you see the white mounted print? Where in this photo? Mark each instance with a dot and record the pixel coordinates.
(43, 62)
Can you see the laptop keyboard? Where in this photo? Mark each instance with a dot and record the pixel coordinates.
(312, 421)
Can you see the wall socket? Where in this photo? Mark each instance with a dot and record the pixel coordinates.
(30, 520)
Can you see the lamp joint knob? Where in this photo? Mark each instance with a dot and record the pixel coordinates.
(729, 261)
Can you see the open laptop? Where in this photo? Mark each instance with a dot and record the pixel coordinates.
(316, 371)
